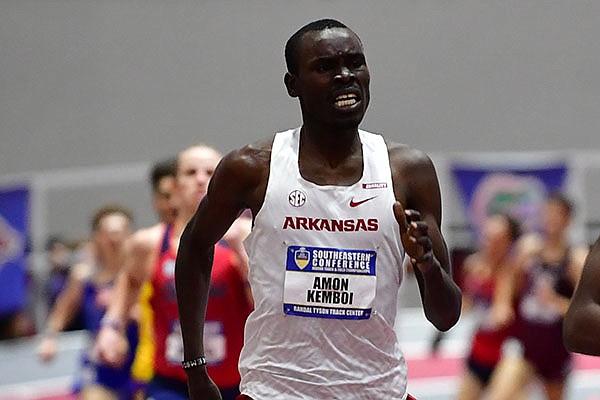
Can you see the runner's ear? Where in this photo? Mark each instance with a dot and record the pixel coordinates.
(290, 83)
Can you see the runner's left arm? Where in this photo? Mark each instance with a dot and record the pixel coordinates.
(419, 214)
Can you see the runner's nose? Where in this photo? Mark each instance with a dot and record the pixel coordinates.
(344, 74)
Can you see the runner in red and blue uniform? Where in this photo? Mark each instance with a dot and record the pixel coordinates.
(152, 259)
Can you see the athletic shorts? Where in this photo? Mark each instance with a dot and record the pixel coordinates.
(244, 397)
(555, 370)
(117, 379)
(482, 372)
(550, 358)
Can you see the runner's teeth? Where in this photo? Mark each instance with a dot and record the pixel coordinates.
(345, 103)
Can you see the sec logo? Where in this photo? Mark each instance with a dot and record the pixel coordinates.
(297, 198)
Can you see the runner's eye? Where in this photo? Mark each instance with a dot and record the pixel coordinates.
(357, 62)
(325, 66)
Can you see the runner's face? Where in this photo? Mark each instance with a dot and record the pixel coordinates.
(163, 201)
(59, 255)
(556, 218)
(111, 234)
(332, 82)
(195, 168)
(495, 237)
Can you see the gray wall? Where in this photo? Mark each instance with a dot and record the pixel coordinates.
(93, 82)
(101, 82)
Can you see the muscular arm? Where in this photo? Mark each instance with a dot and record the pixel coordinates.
(232, 188)
(419, 213)
(582, 321)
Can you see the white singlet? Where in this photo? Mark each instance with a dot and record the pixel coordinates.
(325, 269)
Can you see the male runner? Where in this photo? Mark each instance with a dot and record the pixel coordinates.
(337, 211)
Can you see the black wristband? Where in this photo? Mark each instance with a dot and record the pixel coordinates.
(196, 362)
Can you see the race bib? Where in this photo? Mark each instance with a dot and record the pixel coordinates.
(333, 283)
(174, 345)
(215, 344)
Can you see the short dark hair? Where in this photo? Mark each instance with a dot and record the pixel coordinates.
(563, 200)
(514, 227)
(109, 209)
(161, 169)
(293, 43)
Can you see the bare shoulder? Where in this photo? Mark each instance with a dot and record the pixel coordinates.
(415, 180)
(146, 239)
(81, 272)
(249, 161)
(578, 256)
(407, 159)
(242, 176)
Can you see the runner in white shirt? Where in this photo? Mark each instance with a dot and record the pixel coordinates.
(337, 211)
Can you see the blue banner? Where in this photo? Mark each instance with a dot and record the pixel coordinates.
(14, 228)
(517, 190)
